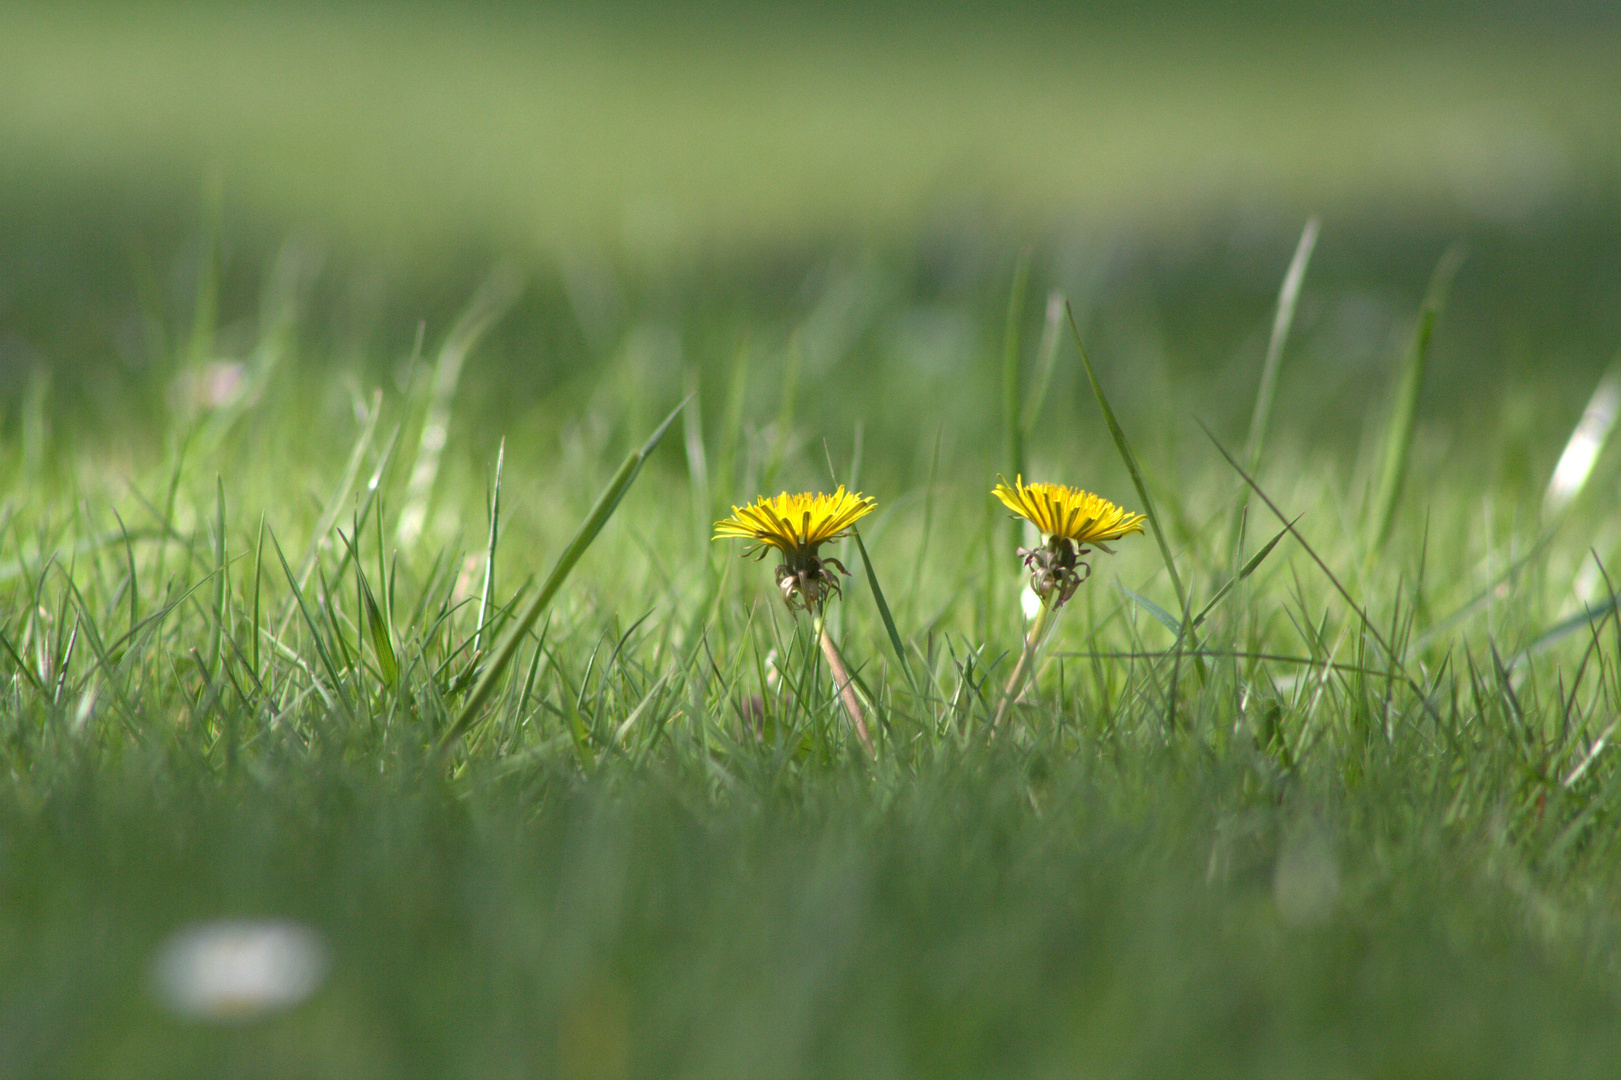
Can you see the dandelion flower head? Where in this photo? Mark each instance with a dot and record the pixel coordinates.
(1075, 515)
(797, 525)
(1069, 519)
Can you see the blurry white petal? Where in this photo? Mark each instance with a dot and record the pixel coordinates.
(239, 969)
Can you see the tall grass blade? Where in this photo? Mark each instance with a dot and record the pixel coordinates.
(1046, 362)
(89, 545)
(605, 506)
(376, 625)
(1266, 391)
(784, 423)
(1592, 614)
(1288, 295)
(1403, 417)
(486, 595)
(1163, 617)
(883, 612)
(205, 300)
(498, 293)
(928, 526)
(334, 506)
(316, 635)
(258, 579)
(23, 666)
(1396, 661)
(222, 592)
(1012, 380)
(692, 430)
(1126, 455)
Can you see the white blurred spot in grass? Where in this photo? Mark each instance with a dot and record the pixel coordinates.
(239, 969)
(1029, 601)
(1306, 878)
(211, 386)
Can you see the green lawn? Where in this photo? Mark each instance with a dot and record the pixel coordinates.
(264, 656)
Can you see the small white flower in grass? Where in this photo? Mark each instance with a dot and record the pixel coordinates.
(239, 969)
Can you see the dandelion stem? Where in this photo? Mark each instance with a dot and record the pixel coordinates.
(1015, 684)
(841, 678)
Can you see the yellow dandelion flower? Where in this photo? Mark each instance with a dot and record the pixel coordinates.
(1058, 510)
(1068, 519)
(797, 525)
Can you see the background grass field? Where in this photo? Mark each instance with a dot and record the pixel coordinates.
(292, 296)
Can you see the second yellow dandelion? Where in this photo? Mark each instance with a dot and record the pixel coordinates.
(1069, 520)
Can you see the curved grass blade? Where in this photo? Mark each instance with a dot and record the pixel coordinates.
(377, 629)
(487, 307)
(1131, 462)
(606, 504)
(1163, 617)
(1590, 615)
(1046, 361)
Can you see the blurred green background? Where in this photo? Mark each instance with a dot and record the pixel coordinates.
(866, 173)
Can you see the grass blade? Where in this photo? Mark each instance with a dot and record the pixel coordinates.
(883, 612)
(1012, 382)
(1046, 361)
(334, 506)
(486, 595)
(1288, 294)
(1131, 463)
(1266, 391)
(498, 293)
(605, 506)
(1589, 615)
(321, 650)
(1243, 572)
(221, 572)
(1581, 452)
(376, 628)
(1163, 617)
(1403, 418)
